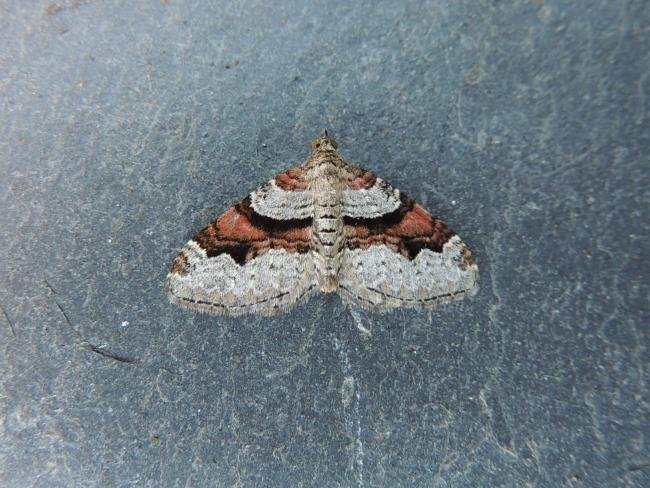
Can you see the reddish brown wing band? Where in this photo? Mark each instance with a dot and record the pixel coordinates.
(407, 230)
(243, 233)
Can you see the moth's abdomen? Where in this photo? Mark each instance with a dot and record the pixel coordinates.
(327, 237)
(327, 230)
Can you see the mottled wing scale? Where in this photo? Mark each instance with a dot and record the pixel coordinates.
(397, 254)
(368, 196)
(254, 258)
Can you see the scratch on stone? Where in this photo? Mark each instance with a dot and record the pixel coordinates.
(359, 443)
(11, 324)
(445, 464)
(349, 390)
(47, 283)
(595, 419)
(84, 343)
(360, 327)
(571, 162)
(65, 315)
(107, 354)
(484, 404)
(496, 291)
(169, 371)
(67, 319)
(641, 95)
(149, 68)
(496, 424)
(301, 360)
(459, 110)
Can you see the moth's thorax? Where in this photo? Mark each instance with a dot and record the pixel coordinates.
(324, 157)
(326, 176)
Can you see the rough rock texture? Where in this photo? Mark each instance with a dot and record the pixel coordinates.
(126, 126)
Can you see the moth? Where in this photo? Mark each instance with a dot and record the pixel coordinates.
(328, 226)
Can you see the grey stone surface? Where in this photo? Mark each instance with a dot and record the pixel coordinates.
(126, 126)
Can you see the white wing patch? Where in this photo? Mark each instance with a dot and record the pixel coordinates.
(219, 285)
(379, 199)
(379, 278)
(272, 201)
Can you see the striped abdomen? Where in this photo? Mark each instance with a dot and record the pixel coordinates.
(327, 234)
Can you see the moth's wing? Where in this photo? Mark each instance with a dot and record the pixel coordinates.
(254, 258)
(397, 254)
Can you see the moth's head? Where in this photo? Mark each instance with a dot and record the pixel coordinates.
(324, 143)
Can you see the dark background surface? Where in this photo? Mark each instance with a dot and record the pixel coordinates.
(124, 129)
